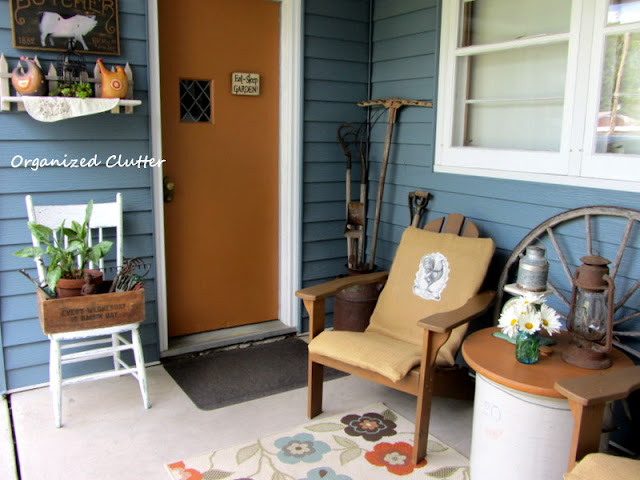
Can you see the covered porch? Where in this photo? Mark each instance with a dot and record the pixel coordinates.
(348, 51)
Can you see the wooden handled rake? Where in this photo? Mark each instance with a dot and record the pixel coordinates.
(392, 105)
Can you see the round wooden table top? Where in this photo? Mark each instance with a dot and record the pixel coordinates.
(495, 359)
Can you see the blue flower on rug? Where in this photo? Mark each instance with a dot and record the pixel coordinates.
(301, 448)
(324, 473)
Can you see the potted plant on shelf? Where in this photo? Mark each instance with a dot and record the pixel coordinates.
(80, 90)
(68, 251)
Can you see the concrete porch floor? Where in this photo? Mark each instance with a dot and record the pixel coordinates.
(107, 433)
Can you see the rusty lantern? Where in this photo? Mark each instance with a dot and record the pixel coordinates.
(590, 319)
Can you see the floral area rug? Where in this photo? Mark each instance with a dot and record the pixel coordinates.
(372, 443)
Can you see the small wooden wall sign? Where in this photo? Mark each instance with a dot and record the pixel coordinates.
(245, 83)
(48, 24)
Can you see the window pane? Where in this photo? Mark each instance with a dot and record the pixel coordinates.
(512, 99)
(195, 101)
(618, 129)
(623, 11)
(494, 21)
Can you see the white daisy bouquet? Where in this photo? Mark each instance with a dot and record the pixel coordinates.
(528, 313)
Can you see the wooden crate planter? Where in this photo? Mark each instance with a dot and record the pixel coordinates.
(72, 314)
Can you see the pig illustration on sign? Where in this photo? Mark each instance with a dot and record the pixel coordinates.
(53, 25)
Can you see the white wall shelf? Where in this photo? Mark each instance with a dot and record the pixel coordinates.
(123, 101)
(125, 105)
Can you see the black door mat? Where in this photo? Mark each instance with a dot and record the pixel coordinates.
(220, 378)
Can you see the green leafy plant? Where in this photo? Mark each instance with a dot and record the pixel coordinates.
(67, 249)
(80, 90)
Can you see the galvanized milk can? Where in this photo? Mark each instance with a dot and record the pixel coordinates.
(533, 270)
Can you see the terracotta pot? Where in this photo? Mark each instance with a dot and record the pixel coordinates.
(96, 275)
(71, 287)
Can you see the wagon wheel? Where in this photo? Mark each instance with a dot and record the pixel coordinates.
(599, 230)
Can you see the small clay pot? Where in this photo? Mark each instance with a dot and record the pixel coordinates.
(69, 287)
(72, 287)
(95, 274)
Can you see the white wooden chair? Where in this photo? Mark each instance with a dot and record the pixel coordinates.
(105, 215)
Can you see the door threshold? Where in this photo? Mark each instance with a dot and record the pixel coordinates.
(224, 337)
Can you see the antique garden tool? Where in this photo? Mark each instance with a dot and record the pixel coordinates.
(392, 105)
(348, 136)
(417, 202)
(130, 276)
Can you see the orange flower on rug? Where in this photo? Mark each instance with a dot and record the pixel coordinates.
(372, 443)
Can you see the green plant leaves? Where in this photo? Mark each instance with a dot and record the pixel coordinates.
(99, 250)
(88, 212)
(43, 234)
(53, 275)
(80, 90)
(29, 252)
(73, 246)
(66, 258)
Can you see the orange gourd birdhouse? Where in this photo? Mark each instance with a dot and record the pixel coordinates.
(31, 82)
(114, 84)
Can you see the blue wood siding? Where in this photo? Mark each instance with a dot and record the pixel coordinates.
(336, 76)
(24, 347)
(404, 64)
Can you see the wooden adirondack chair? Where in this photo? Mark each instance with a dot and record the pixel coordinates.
(587, 398)
(410, 339)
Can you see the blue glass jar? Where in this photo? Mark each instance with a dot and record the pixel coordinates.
(527, 347)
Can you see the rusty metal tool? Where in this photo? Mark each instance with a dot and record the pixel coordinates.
(45, 291)
(349, 135)
(392, 105)
(417, 202)
(130, 274)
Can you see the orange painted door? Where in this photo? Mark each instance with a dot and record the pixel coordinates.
(221, 228)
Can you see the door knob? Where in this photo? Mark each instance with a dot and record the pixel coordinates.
(168, 188)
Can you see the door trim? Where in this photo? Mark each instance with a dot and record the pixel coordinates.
(290, 148)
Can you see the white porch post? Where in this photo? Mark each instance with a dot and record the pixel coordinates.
(291, 41)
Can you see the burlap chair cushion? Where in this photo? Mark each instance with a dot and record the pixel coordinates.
(371, 351)
(600, 466)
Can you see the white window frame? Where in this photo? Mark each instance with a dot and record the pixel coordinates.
(576, 163)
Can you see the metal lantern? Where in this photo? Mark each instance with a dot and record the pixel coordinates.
(590, 319)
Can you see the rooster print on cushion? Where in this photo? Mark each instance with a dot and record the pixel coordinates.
(431, 277)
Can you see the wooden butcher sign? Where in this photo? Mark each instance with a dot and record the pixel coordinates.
(92, 25)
